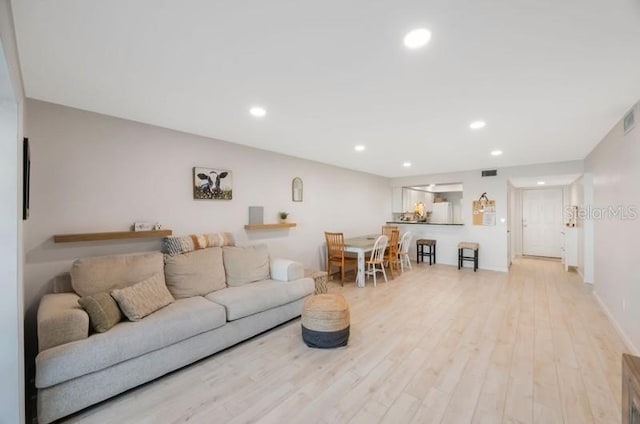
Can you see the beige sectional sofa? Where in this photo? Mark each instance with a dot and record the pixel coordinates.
(77, 367)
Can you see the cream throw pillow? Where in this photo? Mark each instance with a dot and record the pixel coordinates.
(143, 298)
(244, 265)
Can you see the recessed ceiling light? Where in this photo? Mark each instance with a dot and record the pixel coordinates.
(359, 148)
(417, 38)
(258, 111)
(496, 152)
(476, 125)
(406, 164)
(541, 183)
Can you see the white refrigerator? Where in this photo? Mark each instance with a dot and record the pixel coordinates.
(442, 213)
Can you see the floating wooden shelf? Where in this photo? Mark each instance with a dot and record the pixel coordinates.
(269, 226)
(115, 235)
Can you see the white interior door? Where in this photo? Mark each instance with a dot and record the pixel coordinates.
(542, 222)
(508, 225)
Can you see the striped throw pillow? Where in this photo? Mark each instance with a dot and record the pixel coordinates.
(178, 245)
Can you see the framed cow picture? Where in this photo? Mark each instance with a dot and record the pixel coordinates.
(212, 184)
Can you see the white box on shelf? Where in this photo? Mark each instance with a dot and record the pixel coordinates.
(256, 215)
(143, 226)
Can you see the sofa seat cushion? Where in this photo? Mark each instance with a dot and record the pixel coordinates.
(104, 273)
(180, 320)
(252, 298)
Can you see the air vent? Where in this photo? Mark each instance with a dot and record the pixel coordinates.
(490, 173)
(629, 120)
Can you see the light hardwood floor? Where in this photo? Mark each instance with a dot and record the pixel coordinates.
(435, 345)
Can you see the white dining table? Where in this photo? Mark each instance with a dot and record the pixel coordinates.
(360, 245)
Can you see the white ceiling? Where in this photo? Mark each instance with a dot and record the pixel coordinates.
(548, 180)
(550, 77)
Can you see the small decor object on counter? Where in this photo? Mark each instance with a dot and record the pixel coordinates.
(283, 216)
(212, 184)
(419, 211)
(157, 227)
(144, 226)
(296, 189)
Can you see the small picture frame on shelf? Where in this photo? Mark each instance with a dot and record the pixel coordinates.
(143, 226)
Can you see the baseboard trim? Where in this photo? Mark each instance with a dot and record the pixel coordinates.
(495, 269)
(627, 341)
(581, 274)
(469, 265)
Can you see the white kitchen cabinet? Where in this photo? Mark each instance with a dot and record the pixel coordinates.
(407, 200)
(570, 247)
(396, 200)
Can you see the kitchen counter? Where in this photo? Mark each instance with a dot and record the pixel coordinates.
(421, 223)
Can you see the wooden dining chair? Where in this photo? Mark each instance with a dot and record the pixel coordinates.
(375, 263)
(387, 229)
(403, 251)
(391, 255)
(336, 255)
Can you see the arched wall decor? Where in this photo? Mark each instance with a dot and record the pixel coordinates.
(296, 189)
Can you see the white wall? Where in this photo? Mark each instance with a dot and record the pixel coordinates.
(93, 173)
(576, 198)
(615, 170)
(10, 300)
(492, 239)
(516, 222)
(12, 386)
(588, 230)
(512, 223)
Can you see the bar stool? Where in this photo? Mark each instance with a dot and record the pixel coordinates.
(420, 252)
(471, 246)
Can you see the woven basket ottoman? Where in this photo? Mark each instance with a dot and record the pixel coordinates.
(325, 321)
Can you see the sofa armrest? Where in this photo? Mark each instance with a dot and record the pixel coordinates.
(286, 270)
(61, 320)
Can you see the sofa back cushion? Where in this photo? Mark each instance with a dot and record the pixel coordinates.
(244, 265)
(195, 273)
(104, 273)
